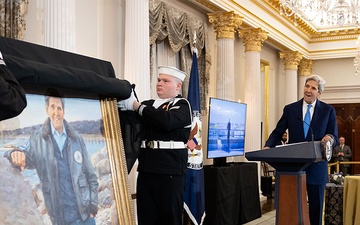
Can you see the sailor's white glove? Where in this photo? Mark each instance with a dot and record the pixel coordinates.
(2, 59)
(127, 104)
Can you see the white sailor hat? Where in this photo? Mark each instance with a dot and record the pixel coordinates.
(172, 71)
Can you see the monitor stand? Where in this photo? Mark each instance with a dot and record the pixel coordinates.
(219, 162)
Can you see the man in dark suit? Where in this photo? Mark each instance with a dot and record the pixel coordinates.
(283, 140)
(323, 126)
(342, 153)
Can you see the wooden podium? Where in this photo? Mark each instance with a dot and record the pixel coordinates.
(290, 178)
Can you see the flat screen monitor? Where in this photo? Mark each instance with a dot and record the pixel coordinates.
(226, 130)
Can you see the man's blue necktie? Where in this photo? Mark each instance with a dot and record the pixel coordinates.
(307, 120)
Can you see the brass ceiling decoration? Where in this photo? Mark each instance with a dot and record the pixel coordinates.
(207, 4)
(309, 30)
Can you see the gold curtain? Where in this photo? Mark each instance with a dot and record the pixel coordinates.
(12, 18)
(168, 22)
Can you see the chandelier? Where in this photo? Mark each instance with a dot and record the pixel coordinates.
(326, 13)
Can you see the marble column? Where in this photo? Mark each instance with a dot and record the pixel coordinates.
(137, 48)
(136, 59)
(305, 70)
(59, 23)
(253, 39)
(225, 25)
(291, 60)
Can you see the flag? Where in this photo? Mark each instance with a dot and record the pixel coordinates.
(194, 196)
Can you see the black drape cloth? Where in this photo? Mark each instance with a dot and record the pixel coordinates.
(38, 67)
(131, 134)
(232, 194)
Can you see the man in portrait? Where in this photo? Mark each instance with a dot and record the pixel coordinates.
(59, 155)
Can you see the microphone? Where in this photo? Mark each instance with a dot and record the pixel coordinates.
(327, 154)
(311, 130)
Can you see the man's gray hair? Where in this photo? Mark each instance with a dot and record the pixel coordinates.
(321, 82)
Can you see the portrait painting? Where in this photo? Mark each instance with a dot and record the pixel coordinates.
(62, 161)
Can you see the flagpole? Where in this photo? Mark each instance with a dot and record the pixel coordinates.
(194, 196)
(194, 49)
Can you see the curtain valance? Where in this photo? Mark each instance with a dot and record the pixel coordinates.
(179, 27)
(12, 21)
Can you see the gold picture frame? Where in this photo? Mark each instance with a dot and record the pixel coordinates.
(120, 174)
(117, 162)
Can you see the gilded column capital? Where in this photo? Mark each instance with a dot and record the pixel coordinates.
(225, 23)
(305, 67)
(291, 59)
(253, 38)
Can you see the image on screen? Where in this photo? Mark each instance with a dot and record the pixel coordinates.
(226, 133)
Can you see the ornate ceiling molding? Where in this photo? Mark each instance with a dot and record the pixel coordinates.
(208, 5)
(283, 35)
(341, 94)
(311, 32)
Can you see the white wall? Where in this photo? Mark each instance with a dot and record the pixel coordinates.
(34, 32)
(276, 96)
(99, 26)
(342, 85)
(337, 72)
